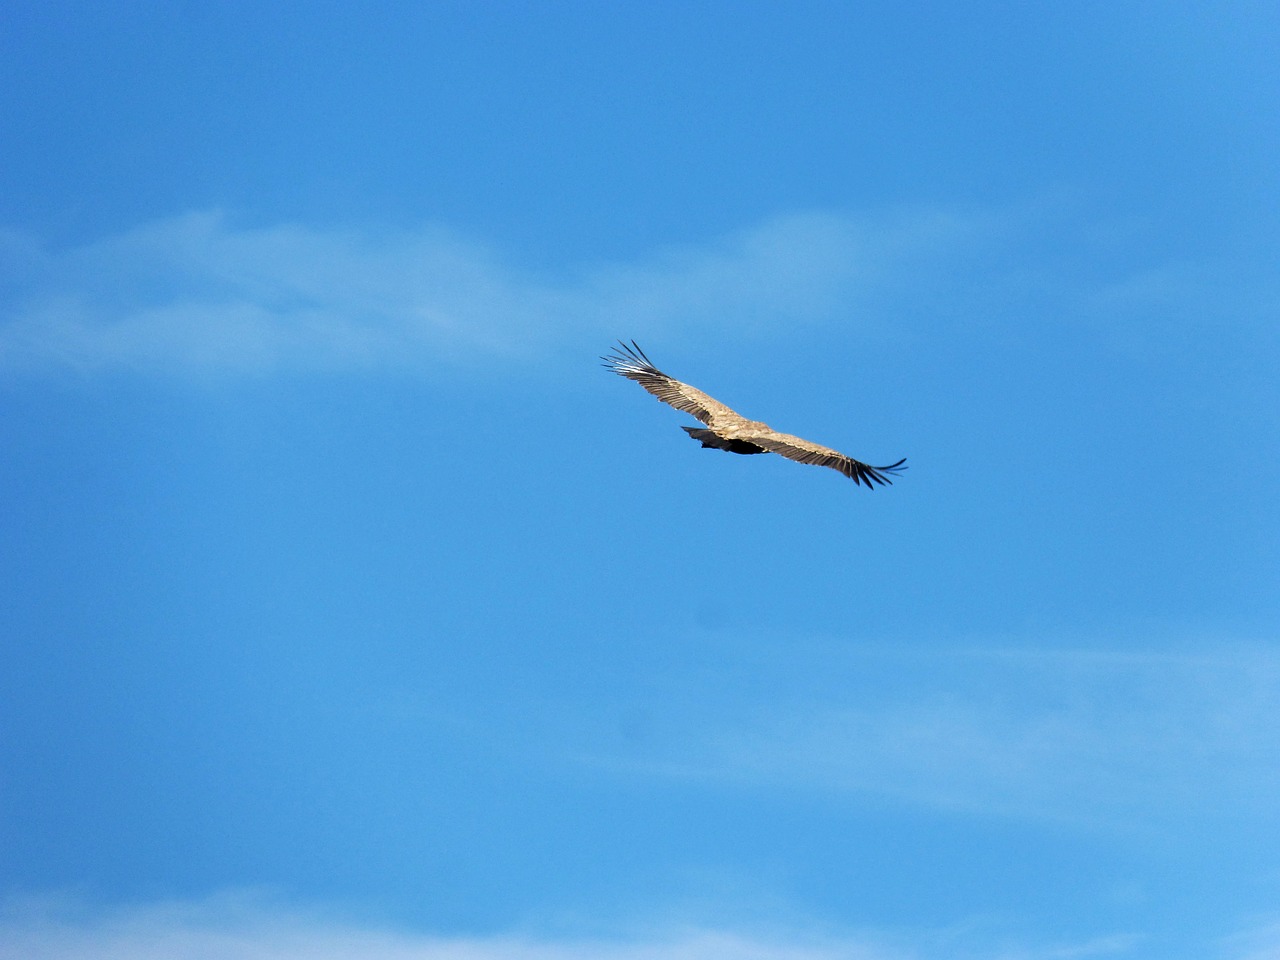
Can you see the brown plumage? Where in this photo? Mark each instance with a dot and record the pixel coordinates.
(731, 431)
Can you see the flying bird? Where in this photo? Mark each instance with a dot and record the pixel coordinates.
(729, 430)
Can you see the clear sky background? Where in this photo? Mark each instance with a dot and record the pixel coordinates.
(349, 608)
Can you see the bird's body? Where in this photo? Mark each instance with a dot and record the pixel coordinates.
(728, 430)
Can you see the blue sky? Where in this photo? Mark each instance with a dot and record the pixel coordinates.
(349, 608)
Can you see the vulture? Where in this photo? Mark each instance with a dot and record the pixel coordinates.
(729, 430)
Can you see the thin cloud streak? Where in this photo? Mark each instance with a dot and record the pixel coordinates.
(200, 293)
(1260, 942)
(1100, 740)
(242, 927)
(247, 925)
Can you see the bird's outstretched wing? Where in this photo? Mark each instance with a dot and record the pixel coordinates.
(733, 432)
(630, 362)
(806, 451)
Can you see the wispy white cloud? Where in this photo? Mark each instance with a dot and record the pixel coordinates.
(253, 926)
(246, 927)
(1259, 942)
(199, 292)
(1099, 739)
(203, 293)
